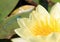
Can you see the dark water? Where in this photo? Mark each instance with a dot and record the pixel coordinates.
(9, 40)
(5, 40)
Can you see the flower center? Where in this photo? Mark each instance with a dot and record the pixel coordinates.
(37, 29)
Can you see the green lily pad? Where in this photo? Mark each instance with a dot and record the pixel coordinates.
(6, 6)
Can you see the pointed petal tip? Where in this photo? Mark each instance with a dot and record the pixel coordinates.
(17, 31)
(57, 3)
(38, 7)
(17, 18)
(18, 40)
(55, 11)
(41, 10)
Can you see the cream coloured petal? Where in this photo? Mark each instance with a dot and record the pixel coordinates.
(53, 37)
(23, 32)
(41, 15)
(18, 40)
(24, 22)
(36, 39)
(25, 27)
(55, 13)
(41, 10)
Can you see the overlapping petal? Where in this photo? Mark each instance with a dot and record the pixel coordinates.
(55, 13)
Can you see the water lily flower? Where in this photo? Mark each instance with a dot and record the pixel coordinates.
(41, 26)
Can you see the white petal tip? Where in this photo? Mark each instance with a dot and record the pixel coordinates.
(57, 4)
(18, 40)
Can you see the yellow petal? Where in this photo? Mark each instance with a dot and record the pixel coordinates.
(55, 13)
(41, 15)
(42, 21)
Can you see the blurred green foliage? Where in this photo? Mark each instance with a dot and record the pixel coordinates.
(6, 6)
(7, 25)
(37, 1)
(55, 1)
